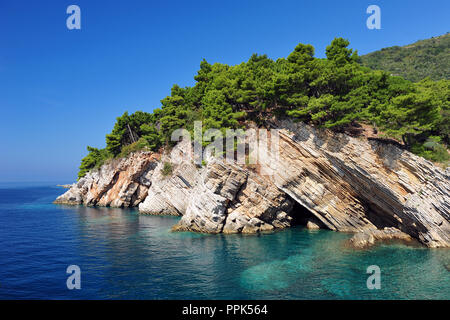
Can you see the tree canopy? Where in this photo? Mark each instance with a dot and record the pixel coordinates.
(334, 92)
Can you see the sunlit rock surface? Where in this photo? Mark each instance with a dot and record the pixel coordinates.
(118, 183)
(353, 184)
(170, 194)
(345, 183)
(368, 238)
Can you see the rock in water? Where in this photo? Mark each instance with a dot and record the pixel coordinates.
(207, 210)
(259, 206)
(369, 237)
(231, 199)
(313, 224)
(354, 185)
(118, 183)
(347, 184)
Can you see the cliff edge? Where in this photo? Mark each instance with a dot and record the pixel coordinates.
(320, 178)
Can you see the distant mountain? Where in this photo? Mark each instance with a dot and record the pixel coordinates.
(425, 58)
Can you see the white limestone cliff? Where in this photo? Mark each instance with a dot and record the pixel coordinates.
(368, 187)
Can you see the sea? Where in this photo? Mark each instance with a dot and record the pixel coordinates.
(121, 254)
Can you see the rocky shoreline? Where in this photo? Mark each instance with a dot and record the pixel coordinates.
(319, 178)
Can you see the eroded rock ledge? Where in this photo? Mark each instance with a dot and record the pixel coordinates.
(118, 183)
(344, 183)
(368, 238)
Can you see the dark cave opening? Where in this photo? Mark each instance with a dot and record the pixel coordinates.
(379, 218)
(302, 215)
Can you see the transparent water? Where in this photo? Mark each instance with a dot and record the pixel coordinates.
(124, 255)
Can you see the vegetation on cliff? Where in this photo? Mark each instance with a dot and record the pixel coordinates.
(425, 58)
(335, 92)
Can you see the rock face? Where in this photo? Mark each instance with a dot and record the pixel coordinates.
(353, 185)
(217, 188)
(258, 207)
(230, 199)
(345, 184)
(170, 194)
(118, 183)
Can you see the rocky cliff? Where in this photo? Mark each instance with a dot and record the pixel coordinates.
(320, 178)
(118, 183)
(355, 185)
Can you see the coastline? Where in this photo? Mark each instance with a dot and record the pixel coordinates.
(328, 180)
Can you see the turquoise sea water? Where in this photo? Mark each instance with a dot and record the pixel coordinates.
(124, 255)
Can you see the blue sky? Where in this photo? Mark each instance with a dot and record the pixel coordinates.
(61, 90)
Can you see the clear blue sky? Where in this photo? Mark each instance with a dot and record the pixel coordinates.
(61, 89)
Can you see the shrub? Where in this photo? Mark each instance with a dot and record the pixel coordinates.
(141, 144)
(432, 150)
(167, 169)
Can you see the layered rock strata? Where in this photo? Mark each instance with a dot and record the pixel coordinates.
(118, 183)
(352, 184)
(230, 199)
(345, 183)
